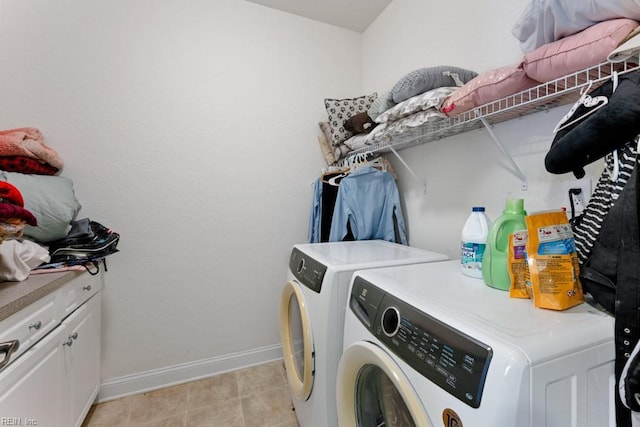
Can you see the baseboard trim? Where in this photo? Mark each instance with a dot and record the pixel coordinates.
(191, 371)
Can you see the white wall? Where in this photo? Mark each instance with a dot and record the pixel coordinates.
(468, 169)
(189, 126)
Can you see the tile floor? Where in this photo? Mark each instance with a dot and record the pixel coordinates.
(251, 397)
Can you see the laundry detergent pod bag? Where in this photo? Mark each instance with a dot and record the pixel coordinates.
(598, 123)
(553, 261)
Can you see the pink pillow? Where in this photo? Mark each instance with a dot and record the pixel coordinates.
(578, 51)
(487, 87)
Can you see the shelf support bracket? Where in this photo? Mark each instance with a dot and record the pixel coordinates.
(413, 174)
(514, 165)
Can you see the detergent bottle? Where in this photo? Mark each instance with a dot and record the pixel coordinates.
(473, 241)
(496, 254)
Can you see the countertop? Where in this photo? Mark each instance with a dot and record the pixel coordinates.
(14, 296)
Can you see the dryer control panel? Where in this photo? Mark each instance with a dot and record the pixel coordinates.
(454, 361)
(307, 270)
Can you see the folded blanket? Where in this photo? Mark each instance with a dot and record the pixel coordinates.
(28, 165)
(28, 142)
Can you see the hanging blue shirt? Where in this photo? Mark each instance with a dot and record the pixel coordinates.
(369, 201)
(313, 235)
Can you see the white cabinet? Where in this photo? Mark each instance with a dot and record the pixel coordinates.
(56, 379)
(31, 388)
(82, 358)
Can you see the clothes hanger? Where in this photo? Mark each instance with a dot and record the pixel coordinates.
(333, 172)
(334, 177)
(362, 160)
(588, 101)
(379, 163)
(332, 169)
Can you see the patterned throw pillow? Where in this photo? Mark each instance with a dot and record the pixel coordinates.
(415, 120)
(430, 99)
(340, 110)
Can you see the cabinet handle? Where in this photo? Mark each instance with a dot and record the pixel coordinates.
(8, 348)
(36, 325)
(70, 338)
(86, 288)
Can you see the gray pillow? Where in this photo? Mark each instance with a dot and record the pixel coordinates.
(51, 199)
(424, 79)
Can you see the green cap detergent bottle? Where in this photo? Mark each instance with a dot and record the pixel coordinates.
(496, 254)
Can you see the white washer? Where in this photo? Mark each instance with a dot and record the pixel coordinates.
(312, 311)
(427, 346)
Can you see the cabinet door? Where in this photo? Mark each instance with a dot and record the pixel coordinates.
(32, 388)
(82, 358)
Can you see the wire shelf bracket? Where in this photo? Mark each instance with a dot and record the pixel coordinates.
(516, 169)
(413, 174)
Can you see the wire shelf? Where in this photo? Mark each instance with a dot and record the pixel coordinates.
(552, 94)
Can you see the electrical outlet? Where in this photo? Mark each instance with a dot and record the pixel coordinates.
(577, 193)
(585, 185)
(576, 200)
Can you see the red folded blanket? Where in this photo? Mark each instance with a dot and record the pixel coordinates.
(24, 164)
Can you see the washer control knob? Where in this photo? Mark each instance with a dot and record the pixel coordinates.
(390, 321)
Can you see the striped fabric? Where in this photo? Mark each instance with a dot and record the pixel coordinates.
(587, 226)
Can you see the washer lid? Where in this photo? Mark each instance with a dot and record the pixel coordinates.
(441, 290)
(366, 254)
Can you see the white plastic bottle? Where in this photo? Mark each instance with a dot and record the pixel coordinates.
(474, 239)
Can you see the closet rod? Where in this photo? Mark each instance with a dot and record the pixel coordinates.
(422, 184)
(514, 165)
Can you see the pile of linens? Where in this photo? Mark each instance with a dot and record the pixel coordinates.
(557, 38)
(37, 205)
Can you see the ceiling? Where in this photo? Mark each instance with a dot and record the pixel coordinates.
(353, 15)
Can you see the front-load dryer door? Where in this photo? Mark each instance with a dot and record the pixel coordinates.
(297, 341)
(373, 391)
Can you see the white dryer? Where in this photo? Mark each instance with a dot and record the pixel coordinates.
(312, 311)
(427, 346)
